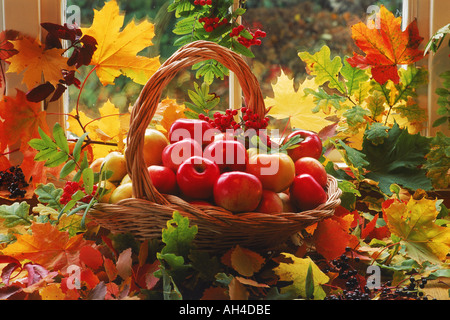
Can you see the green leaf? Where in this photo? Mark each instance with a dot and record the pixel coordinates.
(323, 68)
(88, 180)
(376, 133)
(309, 283)
(16, 214)
(49, 195)
(53, 153)
(241, 49)
(178, 236)
(323, 100)
(60, 138)
(354, 77)
(438, 161)
(410, 79)
(67, 169)
(355, 116)
(398, 160)
(78, 146)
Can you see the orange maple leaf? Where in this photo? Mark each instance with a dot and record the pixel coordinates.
(35, 61)
(332, 236)
(386, 47)
(21, 120)
(48, 247)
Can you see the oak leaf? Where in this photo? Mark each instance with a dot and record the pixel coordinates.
(47, 246)
(386, 47)
(117, 51)
(295, 105)
(415, 223)
(35, 61)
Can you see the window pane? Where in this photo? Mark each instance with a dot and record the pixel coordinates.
(294, 26)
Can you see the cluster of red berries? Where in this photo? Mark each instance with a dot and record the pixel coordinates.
(210, 24)
(247, 42)
(203, 2)
(223, 122)
(71, 188)
(227, 121)
(252, 120)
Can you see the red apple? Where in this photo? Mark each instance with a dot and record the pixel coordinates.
(270, 203)
(276, 171)
(163, 179)
(196, 177)
(312, 167)
(199, 130)
(229, 155)
(175, 154)
(306, 193)
(238, 191)
(310, 146)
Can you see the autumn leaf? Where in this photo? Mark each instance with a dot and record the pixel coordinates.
(245, 261)
(295, 105)
(386, 47)
(47, 246)
(415, 223)
(297, 272)
(167, 113)
(35, 61)
(22, 119)
(323, 68)
(110, 127)
(333, 235)
(6, 47)
(117, 51)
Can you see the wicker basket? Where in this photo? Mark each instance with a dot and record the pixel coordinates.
(145, 215)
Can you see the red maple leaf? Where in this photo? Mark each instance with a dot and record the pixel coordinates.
(386, 46)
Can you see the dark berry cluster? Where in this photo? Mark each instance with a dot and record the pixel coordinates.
(248, 42)
(71, 188)
(202, 2)
(355, 288)
(13, 179)
(212, 23)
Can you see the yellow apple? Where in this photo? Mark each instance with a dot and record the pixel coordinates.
(96, 165)
(115, 162)
(126, 179)
(154, 143)
(276, 171)
(123, 191)
(109, 188)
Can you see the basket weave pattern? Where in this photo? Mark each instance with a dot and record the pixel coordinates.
(147, 213)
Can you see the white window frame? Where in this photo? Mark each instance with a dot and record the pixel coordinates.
(431, 15)
(26, 16)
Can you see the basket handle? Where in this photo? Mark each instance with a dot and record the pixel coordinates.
(149, 98)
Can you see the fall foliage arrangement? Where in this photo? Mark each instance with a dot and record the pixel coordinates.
(385, 239)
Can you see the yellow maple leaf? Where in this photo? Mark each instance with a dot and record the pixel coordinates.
(35, 61)
(110, 127)
(167, 113)
(295, 105)
(297, 272)
(117, 50)
(415, 223)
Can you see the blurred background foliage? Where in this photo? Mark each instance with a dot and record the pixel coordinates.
(291, 26)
